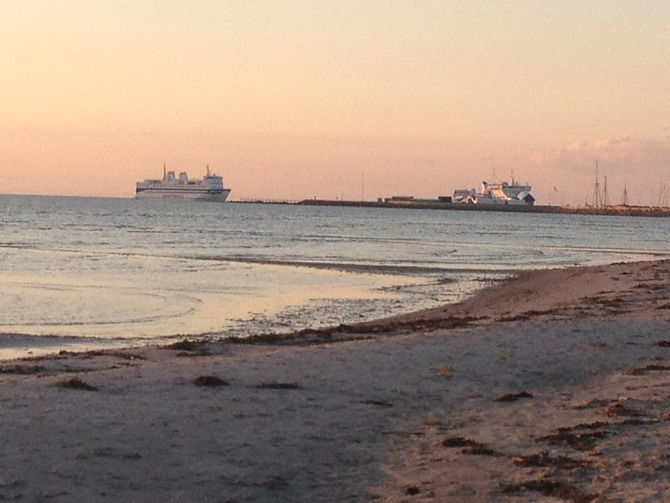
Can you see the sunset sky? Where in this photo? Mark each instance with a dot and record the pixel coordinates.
(336, 99)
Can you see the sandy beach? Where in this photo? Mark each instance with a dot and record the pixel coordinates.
(551, 386)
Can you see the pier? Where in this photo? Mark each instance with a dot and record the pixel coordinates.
(427, 204)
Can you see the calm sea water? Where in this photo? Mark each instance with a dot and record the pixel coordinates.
(86, 272)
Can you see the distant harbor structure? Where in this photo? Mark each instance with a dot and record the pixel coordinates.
(208, 188)
(505, 193)
(511, 197)
(491, 194)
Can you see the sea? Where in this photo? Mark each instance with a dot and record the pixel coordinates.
(90, 273)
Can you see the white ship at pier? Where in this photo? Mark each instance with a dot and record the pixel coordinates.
(208, 188)
(511, 193)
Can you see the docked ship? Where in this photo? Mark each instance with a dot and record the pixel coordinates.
(509, 193)
(208, 188)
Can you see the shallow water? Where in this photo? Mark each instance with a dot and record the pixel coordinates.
(85, 272)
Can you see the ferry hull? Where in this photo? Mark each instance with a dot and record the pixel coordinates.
(174, 195)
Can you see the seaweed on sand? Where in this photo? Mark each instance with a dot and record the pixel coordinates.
(348, 332)
(211, 381)
(189, 348)
(22, 369)
(471, 447)
(513, 397)
(617, 408)
(544, 459)
(378, 403)
(583, 441)
(551, 488)
(654, 367)
(457, 442)
(76, 383)
(278, 385)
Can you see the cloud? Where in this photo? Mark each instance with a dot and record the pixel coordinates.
(617, 156)
(642, 165)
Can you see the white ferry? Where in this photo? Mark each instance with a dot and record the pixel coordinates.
(208, 188)
(511, 193)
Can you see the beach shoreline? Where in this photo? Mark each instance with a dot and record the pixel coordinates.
(446, 404)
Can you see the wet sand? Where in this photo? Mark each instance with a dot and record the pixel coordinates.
(552, 386)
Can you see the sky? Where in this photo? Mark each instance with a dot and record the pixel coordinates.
(351, 99)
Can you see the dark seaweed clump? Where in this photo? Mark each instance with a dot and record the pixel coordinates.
(211, 381)
(552, 489)
(76, 383)
(278, 385)
(513, 397)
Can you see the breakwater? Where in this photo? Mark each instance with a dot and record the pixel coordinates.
(634, 211)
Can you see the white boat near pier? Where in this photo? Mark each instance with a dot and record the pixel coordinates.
(511, 193)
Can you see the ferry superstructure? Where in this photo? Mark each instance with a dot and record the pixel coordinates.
(511, 193)
(208, 188)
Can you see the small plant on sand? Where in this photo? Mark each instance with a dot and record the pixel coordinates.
(432, 421)
(445, 371)
(506, 357)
